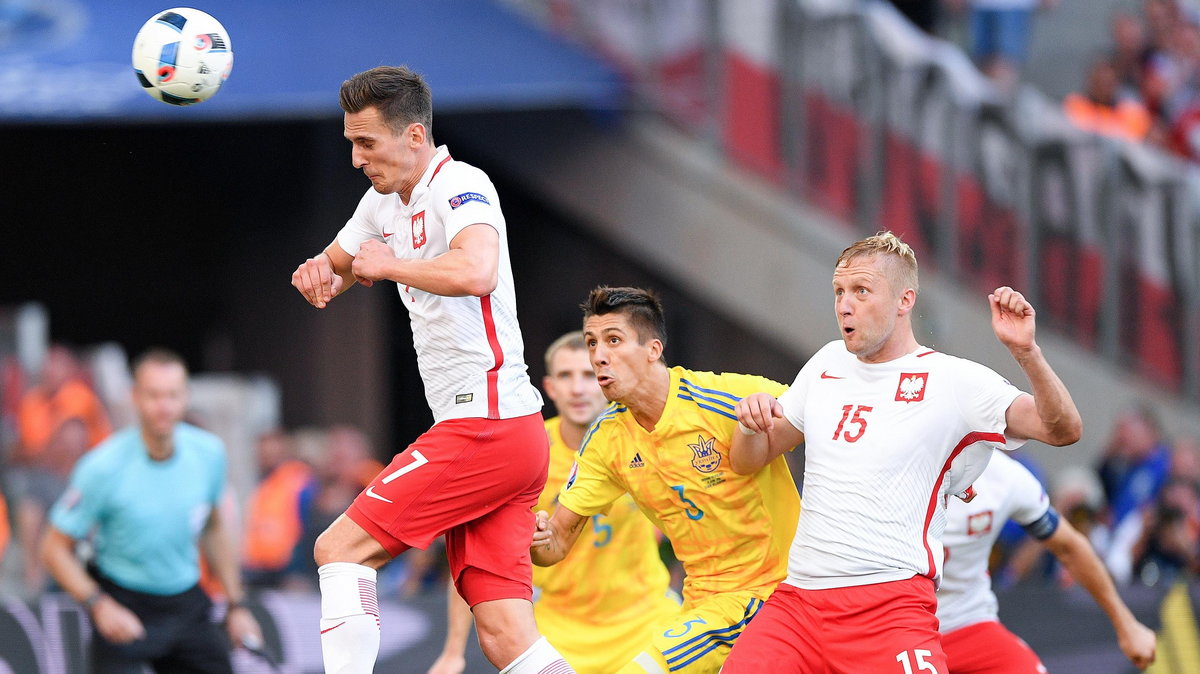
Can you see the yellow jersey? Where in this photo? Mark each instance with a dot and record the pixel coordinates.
(731, 532)
(615, 565)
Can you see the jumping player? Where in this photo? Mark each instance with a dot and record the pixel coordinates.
(433, 226)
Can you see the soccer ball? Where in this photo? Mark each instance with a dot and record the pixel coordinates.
(182, 56)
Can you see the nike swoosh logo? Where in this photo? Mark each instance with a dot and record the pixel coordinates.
(334, 627)
(826, 375)
(387, 234)
(372, 494)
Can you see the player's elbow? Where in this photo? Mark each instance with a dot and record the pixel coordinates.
(1066, 432)
(480, 284)
(743, 465)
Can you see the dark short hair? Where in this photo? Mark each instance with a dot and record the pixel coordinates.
(401, 96)
(641, 307)
(158, 356)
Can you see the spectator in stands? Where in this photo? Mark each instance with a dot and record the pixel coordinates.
(1185, 459)
(62, 393)
(1170, 545)
(1155, 88)
(1000, 31)
(273, 524)
(1129, 53)
(1132, 472)
(5, 528)
(1101, 108)
(58, 419)
(342, 470)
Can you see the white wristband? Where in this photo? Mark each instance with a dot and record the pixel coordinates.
(746, 430)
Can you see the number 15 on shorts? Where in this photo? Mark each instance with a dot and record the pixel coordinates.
(906, 658)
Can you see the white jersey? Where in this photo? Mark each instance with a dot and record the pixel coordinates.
(885, 443)
(469, 349)
(1006, 490)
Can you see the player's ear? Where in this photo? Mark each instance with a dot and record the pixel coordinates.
(416, 133)
(655, 349)
(906, 301)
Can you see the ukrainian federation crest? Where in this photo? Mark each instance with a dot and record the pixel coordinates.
(705, 457)
(418, 230)
(911, 388)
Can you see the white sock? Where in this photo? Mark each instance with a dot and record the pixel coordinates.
(349, 618)
(540, 658)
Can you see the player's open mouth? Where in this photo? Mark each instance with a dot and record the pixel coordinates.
(603, 379)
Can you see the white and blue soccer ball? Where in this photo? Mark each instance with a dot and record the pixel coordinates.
(182, 56)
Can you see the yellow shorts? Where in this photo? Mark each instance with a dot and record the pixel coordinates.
(698, 639)
(595, 645)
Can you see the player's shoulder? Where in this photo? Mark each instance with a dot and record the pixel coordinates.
(112, 454)
(608, 425)
(729, 385)
(957, 368)
(941, 359)
(200, 439)
(456, 175)
(832, 357)
(833, 352)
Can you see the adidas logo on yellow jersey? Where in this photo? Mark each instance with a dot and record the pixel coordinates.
(637, 461)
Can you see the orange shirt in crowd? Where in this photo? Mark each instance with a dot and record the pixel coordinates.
(39, 415)
(5, 532)
(273, 525)
(1127, 119)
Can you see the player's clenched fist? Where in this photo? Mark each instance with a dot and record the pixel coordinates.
(372, 262)
(757, 412)
(315, 279)
(542, 533)
(1012, 318)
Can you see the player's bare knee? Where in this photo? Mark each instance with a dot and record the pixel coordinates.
(326, 550)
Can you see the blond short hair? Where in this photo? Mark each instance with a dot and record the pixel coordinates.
(572, 340)
(902, 261)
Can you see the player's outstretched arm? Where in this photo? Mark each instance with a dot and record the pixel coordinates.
(1049, 415)
(458, 627)
(324, 276)
(1137, 641)
(553, 537)
(764, 433)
